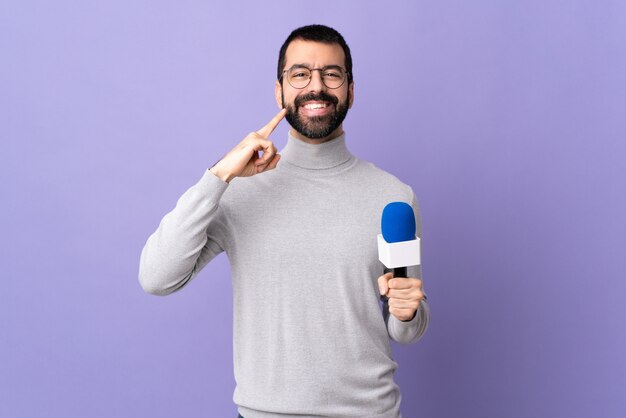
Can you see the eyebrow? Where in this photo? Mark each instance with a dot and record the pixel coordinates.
(326, 67)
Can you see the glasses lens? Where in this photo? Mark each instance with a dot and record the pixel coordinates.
(333, 78)
(299, 77)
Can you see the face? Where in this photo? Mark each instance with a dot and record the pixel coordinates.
(315, 112)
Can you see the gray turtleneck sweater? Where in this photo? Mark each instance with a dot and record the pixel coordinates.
(310, 337)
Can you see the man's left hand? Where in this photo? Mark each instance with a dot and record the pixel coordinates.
(404, 294)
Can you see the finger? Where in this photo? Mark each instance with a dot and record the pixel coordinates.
(254, 143)
(402, 304)
(267, 130)
(268, 153)
(273, 163)
(407, 294)
(404, 283)
(403, 314)
(383, 280)
(269, 166)
(401, 293)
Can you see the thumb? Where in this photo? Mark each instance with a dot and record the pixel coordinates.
(383, 287)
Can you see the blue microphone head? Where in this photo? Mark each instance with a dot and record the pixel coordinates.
(398, 222)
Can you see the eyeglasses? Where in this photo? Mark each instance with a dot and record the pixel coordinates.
(299, 76)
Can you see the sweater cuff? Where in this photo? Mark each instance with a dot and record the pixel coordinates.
(212, 185)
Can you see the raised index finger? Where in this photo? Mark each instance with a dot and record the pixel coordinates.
(267, 130)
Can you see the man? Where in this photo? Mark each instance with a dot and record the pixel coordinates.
(309, 336)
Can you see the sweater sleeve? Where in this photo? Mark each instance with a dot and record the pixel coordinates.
(188, 237)
(410, 331)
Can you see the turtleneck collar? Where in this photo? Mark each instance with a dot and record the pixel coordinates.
(326, 155)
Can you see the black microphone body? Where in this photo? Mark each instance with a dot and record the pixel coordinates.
(400, 272)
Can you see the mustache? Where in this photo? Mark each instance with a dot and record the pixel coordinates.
(321, 96)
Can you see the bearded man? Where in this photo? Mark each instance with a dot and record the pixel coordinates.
(313, 315)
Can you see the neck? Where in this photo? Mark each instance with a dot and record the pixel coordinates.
(334, 134)
(316, 156)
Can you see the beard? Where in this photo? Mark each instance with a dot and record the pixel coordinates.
(316, 127)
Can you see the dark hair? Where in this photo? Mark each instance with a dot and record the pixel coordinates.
(316, 33)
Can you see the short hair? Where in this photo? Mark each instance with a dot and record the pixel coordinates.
(316, 33)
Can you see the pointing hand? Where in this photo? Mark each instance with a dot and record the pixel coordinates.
(244, 160)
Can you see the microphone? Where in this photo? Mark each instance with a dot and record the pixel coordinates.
(398, 246)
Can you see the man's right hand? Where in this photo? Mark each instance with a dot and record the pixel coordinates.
(244, 159)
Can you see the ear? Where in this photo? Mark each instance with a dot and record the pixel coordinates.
(350, 94)
(278, 90)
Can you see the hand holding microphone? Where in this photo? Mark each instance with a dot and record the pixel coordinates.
(244, 160)
(404, 295)
(399, 247)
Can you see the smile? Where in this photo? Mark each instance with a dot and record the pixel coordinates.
(314, 106)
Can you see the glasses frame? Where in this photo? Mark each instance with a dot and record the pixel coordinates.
(345, 75)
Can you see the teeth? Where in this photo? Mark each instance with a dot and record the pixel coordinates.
(315, 106)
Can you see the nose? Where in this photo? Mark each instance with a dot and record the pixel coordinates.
(316, 83)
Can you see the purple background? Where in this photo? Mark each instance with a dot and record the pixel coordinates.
(507, 119)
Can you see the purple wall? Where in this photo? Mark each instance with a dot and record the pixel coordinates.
(507, 118)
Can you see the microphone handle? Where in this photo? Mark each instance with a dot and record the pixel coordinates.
(400, 272)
